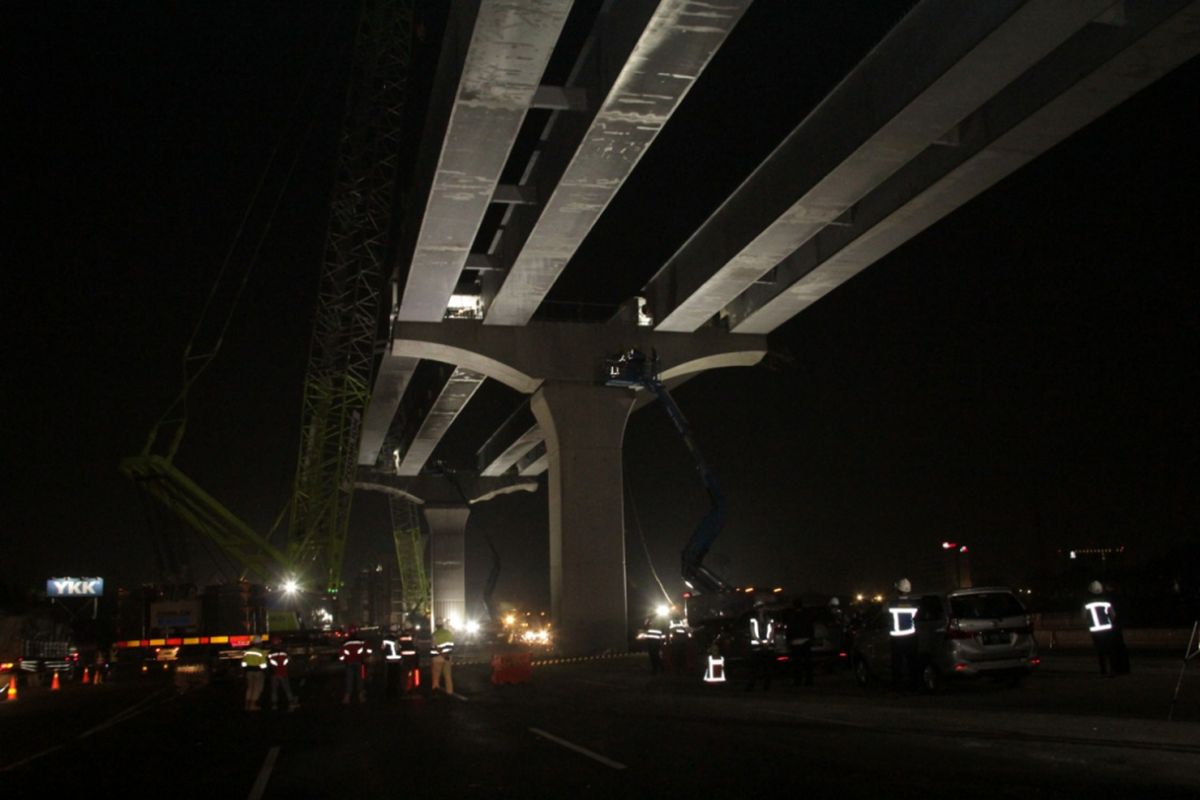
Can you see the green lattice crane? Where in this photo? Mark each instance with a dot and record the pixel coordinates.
(345, 332)
(342, 353)
(410, 556)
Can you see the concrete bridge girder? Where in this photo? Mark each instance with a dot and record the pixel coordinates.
(524, 357)
(436, 490)
(885, 113)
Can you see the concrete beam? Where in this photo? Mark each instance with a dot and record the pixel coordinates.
(390, 382)
(494, 54)
(889, 109)
(437, 490)
(535, 462)
(1096, 70)
(513, 453)
(450, 402)
(642, 58)
(523, 357)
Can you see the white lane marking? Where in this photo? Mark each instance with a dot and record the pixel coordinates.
(264, 774)
(608, 762)
(121, 716)
(33, 757)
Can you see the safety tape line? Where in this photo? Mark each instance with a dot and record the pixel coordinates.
(580, 659)
(546, 662)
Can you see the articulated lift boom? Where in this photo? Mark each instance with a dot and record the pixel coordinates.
(633, 369)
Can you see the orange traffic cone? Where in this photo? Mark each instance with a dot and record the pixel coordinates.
(54, 687)
(12, 687)
(86, 678)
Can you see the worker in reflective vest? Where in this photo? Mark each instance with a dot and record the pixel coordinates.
(393, 661)
(254, 665)
(442, 650)
(652, 636)
(762, 646)
(278, 660)
(354, 655)
(1104, 623)
(902, 611)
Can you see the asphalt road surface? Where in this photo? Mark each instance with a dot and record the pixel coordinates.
(607, 728)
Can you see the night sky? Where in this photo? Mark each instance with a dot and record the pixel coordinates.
(1020, 377)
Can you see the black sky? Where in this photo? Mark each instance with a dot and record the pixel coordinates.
(1021, 376)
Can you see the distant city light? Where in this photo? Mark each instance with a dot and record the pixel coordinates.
(948, 545)
(962, 549)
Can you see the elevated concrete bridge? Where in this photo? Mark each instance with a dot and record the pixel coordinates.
(952, 99)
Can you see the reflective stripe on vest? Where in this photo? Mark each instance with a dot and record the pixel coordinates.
(904, 621)
(253, 658)
(1102, 616)
(353, 652)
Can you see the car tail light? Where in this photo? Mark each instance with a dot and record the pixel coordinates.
(955, 632)
(1035, 661)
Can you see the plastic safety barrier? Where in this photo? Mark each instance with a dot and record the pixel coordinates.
(512, 668)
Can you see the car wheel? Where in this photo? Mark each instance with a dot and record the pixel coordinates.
(862, 675)
(931, 679)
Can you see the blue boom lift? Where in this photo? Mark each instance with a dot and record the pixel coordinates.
(634, 370)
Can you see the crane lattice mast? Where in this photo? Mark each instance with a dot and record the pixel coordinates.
(345, 330)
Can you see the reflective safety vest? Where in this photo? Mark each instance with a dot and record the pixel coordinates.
(390, 652)
(443, 642)
(760, 638)
(355, 651)
(715, 671)
(278, 660)
(254, 658)
(904, 620)
(651, 634)
(1101, 615)
(408, 647)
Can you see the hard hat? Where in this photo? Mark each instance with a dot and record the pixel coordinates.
(1095, 587)
(904, 585)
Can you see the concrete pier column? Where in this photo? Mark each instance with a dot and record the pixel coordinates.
(584, 425)
(447, 546)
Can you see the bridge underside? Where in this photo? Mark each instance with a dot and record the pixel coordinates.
(898, 144)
